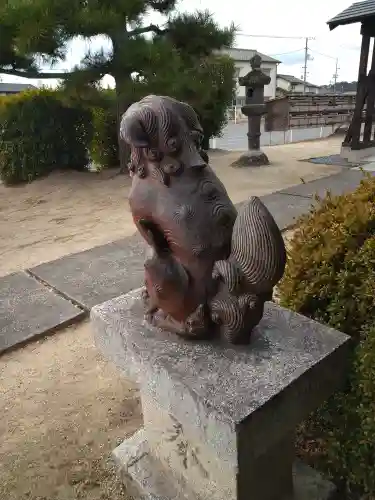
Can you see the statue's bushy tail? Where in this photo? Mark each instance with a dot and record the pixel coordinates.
(258, 247)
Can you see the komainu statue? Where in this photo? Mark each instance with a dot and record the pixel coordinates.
(209, 269)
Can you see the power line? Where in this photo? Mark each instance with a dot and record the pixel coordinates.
(241, 33)
(306, 49)
(335, 74)
(286, 53)
(321, 54)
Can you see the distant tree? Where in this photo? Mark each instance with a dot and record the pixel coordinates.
(176, 59)
(341, 87)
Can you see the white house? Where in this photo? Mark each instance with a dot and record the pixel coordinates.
(242, 63)
(291, 84)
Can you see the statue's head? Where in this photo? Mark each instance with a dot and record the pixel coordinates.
(256, 61)
(165, 132)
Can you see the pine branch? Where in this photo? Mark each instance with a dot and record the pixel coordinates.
(58, 75)
(147, 29)
(35, 74)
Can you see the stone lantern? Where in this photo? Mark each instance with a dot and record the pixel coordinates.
(254, 108)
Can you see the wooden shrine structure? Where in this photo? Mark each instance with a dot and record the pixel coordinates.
(308, 110)
(360, 135)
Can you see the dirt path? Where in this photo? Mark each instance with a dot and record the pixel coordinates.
(63, 407)
(70, 211)
(63, 410)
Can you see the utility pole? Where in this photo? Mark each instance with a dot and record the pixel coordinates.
(305, 66)
(335, 76)
(307, 56)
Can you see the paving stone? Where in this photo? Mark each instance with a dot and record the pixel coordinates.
(369, 167)
(107, 271)
(285, 208)
(99, 274)
(29, 310)
(337, 184)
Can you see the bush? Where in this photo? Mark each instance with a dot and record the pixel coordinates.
(104, 143)
(38, 133)
(330, 277)
(102, 107)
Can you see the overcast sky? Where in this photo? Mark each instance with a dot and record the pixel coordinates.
(277, 18)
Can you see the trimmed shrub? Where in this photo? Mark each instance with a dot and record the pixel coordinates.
(38, 133)
(330, 277)
(102, 106)
(104, 143)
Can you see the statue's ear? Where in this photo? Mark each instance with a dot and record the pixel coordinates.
(197, 137)
(133, 132)
(204, 156)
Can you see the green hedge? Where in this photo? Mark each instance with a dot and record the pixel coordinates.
(330, 277)
(102, 106)
(39, 133)
(104, 143)
(44, 129)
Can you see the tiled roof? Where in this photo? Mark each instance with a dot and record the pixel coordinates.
(357, 12)
(15, 87)
(247, 54)
(293, 79)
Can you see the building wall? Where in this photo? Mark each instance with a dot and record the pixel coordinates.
(242, 68)
(310, 90)
(298, 88)
(284, 84)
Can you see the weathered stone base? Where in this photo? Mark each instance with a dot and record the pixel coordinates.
(255, 158)
(145, 478)
(219, 420)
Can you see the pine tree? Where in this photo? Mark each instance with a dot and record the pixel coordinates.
(176, 59)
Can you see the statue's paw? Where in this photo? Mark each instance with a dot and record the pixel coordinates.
(215, 274)
(145, 296)
(239, 337)
(244, 319)
(229, 273)
(149, 317)
(156, 317)
(197, 324)
(147, 302)
(215, 317)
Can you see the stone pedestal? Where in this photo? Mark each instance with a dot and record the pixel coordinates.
(252, 158)
(219, 420)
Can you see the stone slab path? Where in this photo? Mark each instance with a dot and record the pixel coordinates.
(64, 290)
(286, 208)
(96, 275)
(29, 309)
(337, 184)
